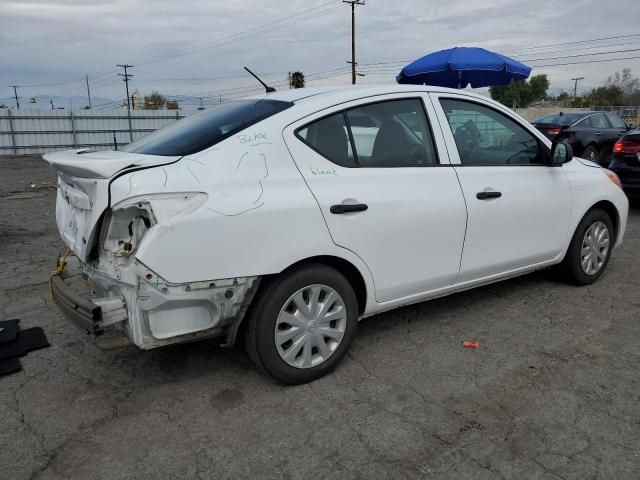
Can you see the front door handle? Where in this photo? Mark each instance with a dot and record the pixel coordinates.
(347, 208)
(488, 195)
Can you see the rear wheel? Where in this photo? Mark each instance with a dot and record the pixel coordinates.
(302, 324)
(590, 249)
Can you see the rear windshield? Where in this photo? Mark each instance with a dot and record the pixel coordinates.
(202, 130)
(565, 119)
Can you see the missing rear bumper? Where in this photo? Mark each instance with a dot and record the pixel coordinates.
(82, 312)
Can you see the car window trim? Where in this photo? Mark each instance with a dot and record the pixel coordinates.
(546, 151)
(420, 99)
(352, 142)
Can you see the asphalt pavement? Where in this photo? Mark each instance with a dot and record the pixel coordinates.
(553, 391)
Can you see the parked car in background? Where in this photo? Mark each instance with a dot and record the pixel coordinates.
(626, 162)
(284, 219)
(590, 134)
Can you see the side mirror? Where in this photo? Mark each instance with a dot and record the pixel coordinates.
(561, 153)
(631, 126)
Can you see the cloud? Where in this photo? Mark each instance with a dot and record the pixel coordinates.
(44, 42)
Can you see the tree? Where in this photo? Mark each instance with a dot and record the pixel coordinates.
(155, 101)
(173, 105)
(297, 80)
(521, 93)
(626, 82)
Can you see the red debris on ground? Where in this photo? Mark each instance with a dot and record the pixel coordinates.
(471, 344)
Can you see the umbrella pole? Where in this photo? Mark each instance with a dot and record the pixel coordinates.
(459, 79)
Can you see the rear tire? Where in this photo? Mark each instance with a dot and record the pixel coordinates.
(302, 324)
(590, 249)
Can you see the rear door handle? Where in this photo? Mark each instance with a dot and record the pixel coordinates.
(488, 195)
(347, 208)
(598, 133)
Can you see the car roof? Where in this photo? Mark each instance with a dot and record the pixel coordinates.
(300, 95)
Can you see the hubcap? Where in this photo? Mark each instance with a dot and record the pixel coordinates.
(595, 247)
(592, 155)
(310, 326)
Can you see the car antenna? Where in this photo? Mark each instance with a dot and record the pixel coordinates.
(267, 87)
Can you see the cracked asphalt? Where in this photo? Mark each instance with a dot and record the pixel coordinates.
(553, 392)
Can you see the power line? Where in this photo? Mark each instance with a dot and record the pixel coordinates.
(272, 26)
(574, 42)
(586, 62)
(581, 55)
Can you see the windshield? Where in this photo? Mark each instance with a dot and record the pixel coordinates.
(202, 130)
(565, 119)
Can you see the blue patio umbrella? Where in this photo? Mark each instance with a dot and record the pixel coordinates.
(460, 66)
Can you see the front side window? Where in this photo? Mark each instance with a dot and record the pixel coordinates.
(386, 134)
(486, 137)
(203, 130)
(616, 121)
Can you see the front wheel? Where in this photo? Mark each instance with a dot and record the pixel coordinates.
(590, 249)
(592, 154)
(302, 324)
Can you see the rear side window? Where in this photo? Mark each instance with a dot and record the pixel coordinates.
(598, 121)
(330, 138)
(203, 130)
(393, 133)
(559, 119)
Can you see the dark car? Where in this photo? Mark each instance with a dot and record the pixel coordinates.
(591, 134)
(626, 162)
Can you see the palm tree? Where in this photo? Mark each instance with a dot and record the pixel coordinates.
(297, 80)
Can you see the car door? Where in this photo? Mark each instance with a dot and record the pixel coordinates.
(384, 184)
(518, 206)
(605, 134)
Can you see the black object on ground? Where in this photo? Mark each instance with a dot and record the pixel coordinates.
(15, 343)
(8, 330)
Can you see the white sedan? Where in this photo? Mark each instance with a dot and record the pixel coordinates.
(285, 218)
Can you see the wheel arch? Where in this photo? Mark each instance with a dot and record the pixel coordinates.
(345, 267)
(611, 210)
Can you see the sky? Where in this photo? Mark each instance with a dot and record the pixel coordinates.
(192, 49)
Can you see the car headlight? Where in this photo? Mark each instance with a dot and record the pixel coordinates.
(128, 221)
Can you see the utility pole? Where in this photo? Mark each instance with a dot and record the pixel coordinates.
(125, 78)
(133, 102)
(88, 91)
(353, 4)
(15, 94)
(575, 86)
(51, 100)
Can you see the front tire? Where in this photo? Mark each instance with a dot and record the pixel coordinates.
(590, 249)
(302, 324)
(592, 154)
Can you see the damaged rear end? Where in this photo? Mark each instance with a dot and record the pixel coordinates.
(102, 287)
